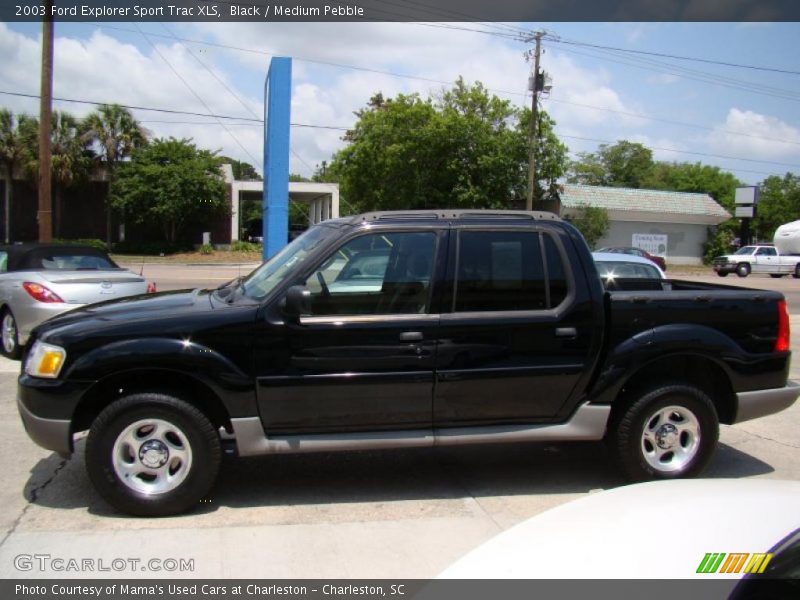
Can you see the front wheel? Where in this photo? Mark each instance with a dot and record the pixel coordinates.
(152, 455)
(668, 432)
(10, 347)
(743, 270)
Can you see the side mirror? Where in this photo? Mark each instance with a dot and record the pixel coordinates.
(298, 302)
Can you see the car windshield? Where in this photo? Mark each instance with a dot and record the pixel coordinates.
(264, 279)
(745, 250)
(626, 270)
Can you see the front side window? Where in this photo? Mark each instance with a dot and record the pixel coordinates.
(505, 271)
(374, 274)
(767, 252)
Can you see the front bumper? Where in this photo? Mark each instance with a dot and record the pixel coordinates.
(724, 267)
(46, 407)
(760, 403)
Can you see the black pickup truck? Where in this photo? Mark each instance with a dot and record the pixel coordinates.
(397, 330)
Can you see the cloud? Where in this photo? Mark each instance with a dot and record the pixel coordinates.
(772, 138)
(663, 79)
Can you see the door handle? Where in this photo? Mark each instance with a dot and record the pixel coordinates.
(566, 332)
(411, 336)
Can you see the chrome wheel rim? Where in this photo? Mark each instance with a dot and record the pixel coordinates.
(671, 439)
(9, 333)
(152, 456)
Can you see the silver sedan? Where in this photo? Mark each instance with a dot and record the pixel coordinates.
(39, 281)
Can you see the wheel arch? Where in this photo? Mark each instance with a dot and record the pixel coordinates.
(141, 380)
(694, 369)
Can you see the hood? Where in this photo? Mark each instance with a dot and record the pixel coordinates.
(165, 313)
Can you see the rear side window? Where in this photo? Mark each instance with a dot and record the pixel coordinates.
(507, 270)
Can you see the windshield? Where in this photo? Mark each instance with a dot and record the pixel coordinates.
(264, 279)
(745, 250)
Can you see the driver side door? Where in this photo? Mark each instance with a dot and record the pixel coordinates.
(363, 359)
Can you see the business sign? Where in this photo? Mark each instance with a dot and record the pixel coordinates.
(654, 243)
(746, 195)
(745, 212)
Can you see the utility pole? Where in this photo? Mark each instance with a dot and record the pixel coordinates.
(45, 214)
(533, 124)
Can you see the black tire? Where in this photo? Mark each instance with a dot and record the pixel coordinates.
(14, 350)
(743, 269)
(796, 273)
(195, 428)
(626, 435)
(723, 273)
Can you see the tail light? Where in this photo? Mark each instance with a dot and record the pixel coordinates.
(151, 287)
(782, 343)
(40, 293)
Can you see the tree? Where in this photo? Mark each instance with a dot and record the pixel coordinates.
(624, 164)
(779, 203)
(71, 157)
(11, 151)
(464, 149)
(117, 134)
(697, 177)
(592, 222)
(242, 171)
(170, 182)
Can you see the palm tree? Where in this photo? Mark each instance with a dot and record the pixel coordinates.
(71, 159)
(10, 155)
(116, 133)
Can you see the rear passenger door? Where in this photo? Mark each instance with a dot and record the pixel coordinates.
(516, 332)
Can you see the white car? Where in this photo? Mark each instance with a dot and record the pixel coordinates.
(672, 529)
(757, 259)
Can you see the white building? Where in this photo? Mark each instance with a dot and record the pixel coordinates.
(675, 224)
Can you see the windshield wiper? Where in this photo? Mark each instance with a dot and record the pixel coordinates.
(229, 287)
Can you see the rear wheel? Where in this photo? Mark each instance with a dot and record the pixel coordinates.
(152, 455)
(743, 269)
(10, 336)
(666, 433)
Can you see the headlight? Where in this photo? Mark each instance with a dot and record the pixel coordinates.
(45, 360)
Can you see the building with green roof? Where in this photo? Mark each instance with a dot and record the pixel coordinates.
(674, 225)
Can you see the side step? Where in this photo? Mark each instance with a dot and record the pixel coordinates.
(588, 423)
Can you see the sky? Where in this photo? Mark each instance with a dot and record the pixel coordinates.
(744, 120)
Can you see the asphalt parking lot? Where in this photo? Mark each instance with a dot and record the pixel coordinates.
(390, 514)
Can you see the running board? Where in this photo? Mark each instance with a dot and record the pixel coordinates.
(588, 423)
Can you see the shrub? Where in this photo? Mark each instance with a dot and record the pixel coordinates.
(149, 248)
(206, 249)
(94, 243)
(242, 246)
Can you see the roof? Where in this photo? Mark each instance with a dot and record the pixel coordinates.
(453, 214)
(629, 199)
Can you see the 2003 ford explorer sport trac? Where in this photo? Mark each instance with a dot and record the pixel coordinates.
(396, 330)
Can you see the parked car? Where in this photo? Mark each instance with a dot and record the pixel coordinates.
(757, 259)
(39, 281)
(588, 538)
(487, 327)
(615, 269)
(632, 251)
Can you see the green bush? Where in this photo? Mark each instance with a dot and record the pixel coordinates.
(94, 243)
(206, 249)
(242, 246)
(720, 241)
(149, 248)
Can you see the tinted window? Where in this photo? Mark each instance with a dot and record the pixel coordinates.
(380, 273)
(72, 262)
(556, 275)
(766, 252)
(3, 262)
(500, 270)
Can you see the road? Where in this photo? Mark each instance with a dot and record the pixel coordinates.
(405, 514)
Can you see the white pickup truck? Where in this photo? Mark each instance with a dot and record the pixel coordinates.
(758, 259)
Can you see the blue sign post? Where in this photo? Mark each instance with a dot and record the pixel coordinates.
(277, 106)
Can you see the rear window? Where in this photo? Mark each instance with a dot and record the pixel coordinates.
(67, 259)
(508, 270)
(626, 270)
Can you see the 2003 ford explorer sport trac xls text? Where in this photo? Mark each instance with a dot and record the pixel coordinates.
(392, 330)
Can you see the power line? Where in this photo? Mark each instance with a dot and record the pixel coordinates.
(195, 94)
(676, 56)
(679, 151)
